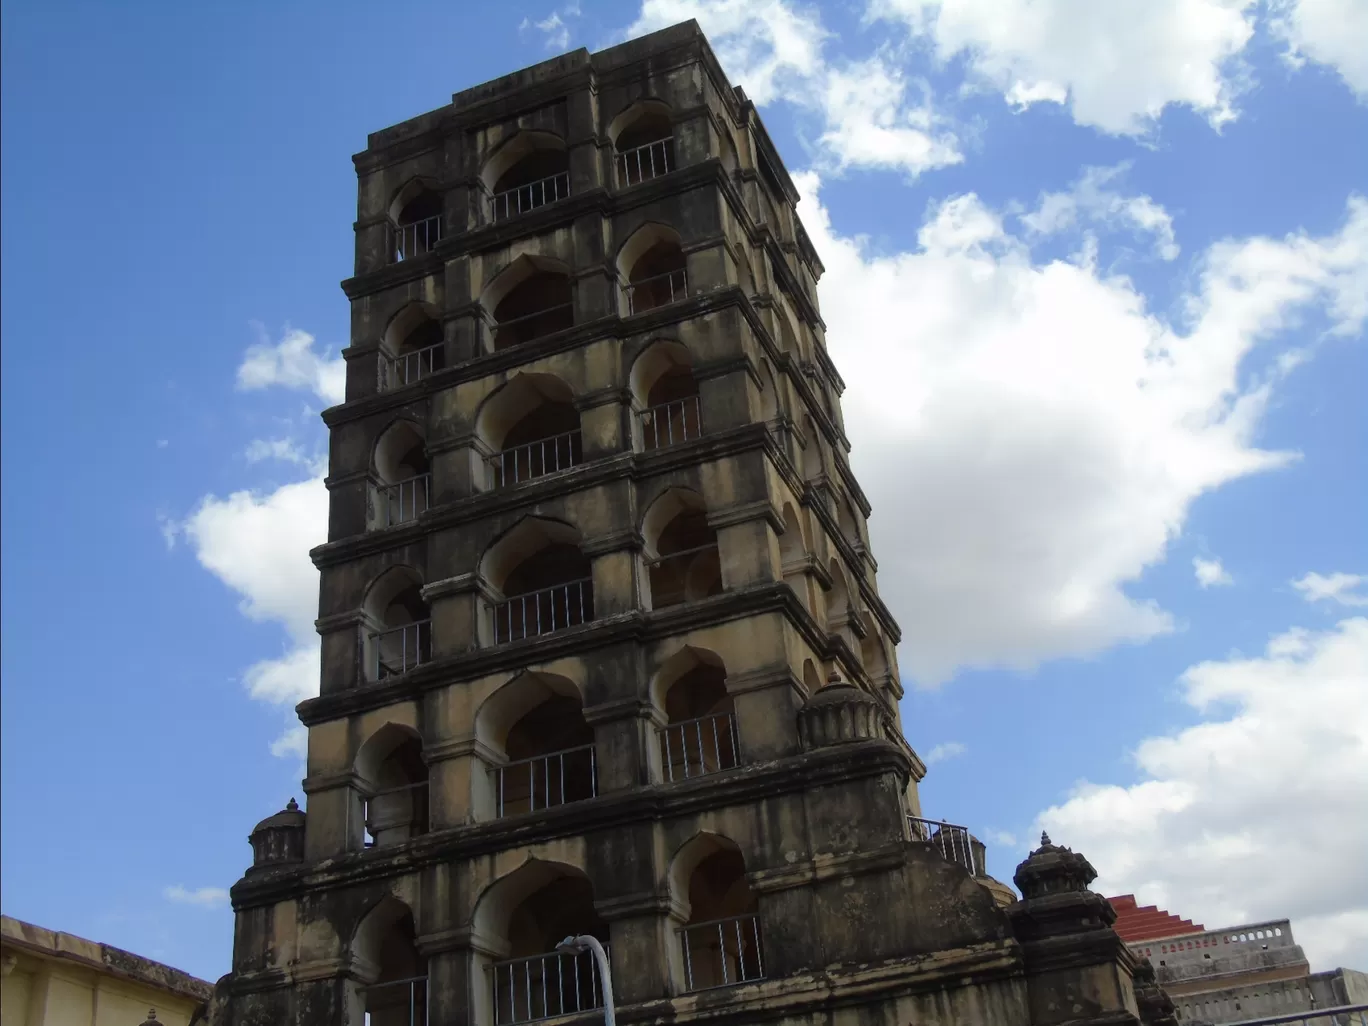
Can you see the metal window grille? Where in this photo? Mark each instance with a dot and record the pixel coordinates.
(669, 574)
(407, 499)
(544, 456)
(657, 290)
(519, 200)
(544, 611)
(722, 952)
(517, 330)
(415, 238)
(642, 163)
(406, 368)
(692, 748)
(670, 423)
(376, 806)
(397, 1003)
(400, 649)
(528, 989)
(546, 781)
(950, 840)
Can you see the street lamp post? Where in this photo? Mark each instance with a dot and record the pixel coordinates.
(583, 942)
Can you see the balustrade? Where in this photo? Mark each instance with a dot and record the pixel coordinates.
(722, 952)
(379, 810)
(544, 611)
(522, 198)
(642, 163)
(407, 368)
(535, 459)
(692, 748)
(542, 986)
(657, 290)
(546, 781)
(415, 238)
(400, 649)
(406, 500)
(950, 840)
(670, 423)
(517, 330)
(389, 1003)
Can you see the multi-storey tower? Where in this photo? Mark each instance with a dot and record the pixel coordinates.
(603, 651)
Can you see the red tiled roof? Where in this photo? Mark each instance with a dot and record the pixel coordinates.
(1145, 922)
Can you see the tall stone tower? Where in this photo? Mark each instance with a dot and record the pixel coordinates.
(603, 651)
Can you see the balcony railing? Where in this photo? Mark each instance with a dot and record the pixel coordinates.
(405, 805)
(544, 611)
(657, 290)
(406, 500)
(546, 781)
(517, 330)
(406, 368)
(722, 952)
(950, 840)
(397, 1003)
(536, 459)
(415, 238)
(670, 423)
(519, 200)
(1335, 1015)
(669, 574)
(692, 748)
(642, 163)
(400, 649)
(528, 989)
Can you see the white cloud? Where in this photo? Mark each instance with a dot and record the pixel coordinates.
(162, 443)
(553, 27)
(294, 741)
(293, 363)
(208, 897)
(945, 750)
(1117, 64)
(1089, 202)
(1032, 435)
(775, 51)
(1337, 587)
(1330, 32)
(1224, 807)
(284, 450)
(1210, 573)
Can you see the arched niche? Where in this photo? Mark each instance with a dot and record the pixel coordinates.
(393, 971)
(643, 142)
(700, 734)
(681, 552)
(721, 936)
(663, 385)
(413, 345)
(530, 298)
(529, 171)
(531, 427)
(415, 215)
(402, 472)
(394, 780)
(652, 265)
(543, 576)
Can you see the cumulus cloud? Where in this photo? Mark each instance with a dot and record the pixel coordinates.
(1270, 778)
(870, 111)
(1210, 573)
(555, 31)
(293, 363)
(206, 897)
(945, 750)
(1031, 435)
(1090, 205)
(1336, 587)
(1329, 32)
(1117, 64)
(282, 450)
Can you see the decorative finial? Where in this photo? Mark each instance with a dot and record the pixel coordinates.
(151, 1016)
(292, 806)
(1044, 839)
(834, 677)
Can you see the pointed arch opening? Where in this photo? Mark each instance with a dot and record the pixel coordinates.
(524, 916)
(531, 298)
(812, 451)
(532, 428)
(535, 724)
(531, 170)
(412, 347)
(385, 953)
(543, 578)
(721, 939)
(682, 557)
(393, 780)
(654, 268)
(643, 142)
(838, 598)
(403, 474)
(663, 384)
(699, 735)
(398, 634)
(415, 221)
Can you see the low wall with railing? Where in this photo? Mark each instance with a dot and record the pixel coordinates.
(522, 198)
(544, 611)
(545, 781)
(694, 747)
(722, 952)
(543, 986)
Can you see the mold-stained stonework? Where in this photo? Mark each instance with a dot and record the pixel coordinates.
(602, 647)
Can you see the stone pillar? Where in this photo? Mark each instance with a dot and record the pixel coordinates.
(639, 932)
(456, 615)
(615, 584)
(449, 968)
(341, 651)
(457, 783)
(623, 729)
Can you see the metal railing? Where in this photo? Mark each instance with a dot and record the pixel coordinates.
(535, 459)
(522, 198)
(407, 499)
(1337, 1015)
(722, 952)
(539, 987)
(517, 330)
(692, 748)
(399, 1002)
(415, 238)
(657, 290)
(950, 840)
(399, 649)
(662, 594)
(546, 781)
(406, 368)
(670, 423)
(544, 611)
(416, 809)
(642, 163)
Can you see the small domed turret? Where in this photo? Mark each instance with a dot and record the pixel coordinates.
(279, 839)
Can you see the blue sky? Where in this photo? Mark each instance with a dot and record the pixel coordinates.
(1097, 278)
